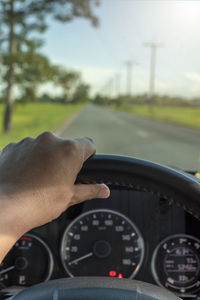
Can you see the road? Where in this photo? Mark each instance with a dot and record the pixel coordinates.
(120, 133)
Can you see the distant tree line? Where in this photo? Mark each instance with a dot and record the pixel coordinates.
(36, 71)
(158, 100)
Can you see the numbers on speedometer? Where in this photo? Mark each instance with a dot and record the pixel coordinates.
(176, 264)
(102, 243)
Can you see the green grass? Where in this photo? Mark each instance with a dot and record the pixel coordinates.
(187, 116)
(31, 119)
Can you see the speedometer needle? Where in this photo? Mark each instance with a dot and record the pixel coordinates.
(80, 258)
(7, 270)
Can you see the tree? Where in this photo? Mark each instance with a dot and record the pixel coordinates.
(67, 81)
(35, 69)
(18, 20)
(81, 93)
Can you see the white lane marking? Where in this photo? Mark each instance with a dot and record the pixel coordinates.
(142, 133)
(117, 120)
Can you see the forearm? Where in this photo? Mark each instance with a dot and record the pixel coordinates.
(6, 243)
(10, 229)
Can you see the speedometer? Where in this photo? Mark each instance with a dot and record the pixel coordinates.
(102, 243)
(176, 264)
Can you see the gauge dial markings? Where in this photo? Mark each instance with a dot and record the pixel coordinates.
(111, 241)
(30, 261)
(176, 263)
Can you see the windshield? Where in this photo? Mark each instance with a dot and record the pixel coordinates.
(123, 72)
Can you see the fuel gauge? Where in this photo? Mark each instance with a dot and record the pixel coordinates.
(30, 261)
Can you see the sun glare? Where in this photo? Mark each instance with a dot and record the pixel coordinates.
(188, 11)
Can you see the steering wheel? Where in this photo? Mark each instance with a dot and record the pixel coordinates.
(167, 183)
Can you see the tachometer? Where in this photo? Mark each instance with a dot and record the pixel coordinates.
(176, 264)
(102, 243)
(29, 262)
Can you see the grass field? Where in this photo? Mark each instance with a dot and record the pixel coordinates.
(187, 116)
(32, 119)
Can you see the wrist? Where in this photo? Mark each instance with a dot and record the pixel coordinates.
(10, 227)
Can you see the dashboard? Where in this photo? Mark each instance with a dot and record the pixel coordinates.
(132, 234)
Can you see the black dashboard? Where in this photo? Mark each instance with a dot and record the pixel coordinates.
(132, 234)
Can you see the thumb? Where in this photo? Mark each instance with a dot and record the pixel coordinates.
(89, 191)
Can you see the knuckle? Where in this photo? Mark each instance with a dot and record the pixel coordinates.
(25, 140)
(70, 147)
(8, 147)
(89, 139)
(45, 136)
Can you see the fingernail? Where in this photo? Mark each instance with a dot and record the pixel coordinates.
(104, 191)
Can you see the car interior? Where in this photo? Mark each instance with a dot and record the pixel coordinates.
(133, 85)
(148, 230)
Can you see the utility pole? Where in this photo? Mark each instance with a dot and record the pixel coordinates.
(105, 89)
(129, 68)
(111, 87)
(153, 48)
(117, 84)
(117, 89)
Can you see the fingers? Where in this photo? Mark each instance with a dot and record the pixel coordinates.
(89, 191)
(86, 147)
(79, 150)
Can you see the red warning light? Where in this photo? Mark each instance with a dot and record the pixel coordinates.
(112, 273)
(26, 238)
(120, 275)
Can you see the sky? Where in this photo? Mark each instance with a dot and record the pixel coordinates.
(125, 26)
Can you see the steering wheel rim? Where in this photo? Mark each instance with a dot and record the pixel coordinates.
(167, 183)
(95, 288)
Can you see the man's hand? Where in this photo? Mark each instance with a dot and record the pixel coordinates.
(37, 179)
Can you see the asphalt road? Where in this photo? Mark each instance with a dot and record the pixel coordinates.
(120, 133)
